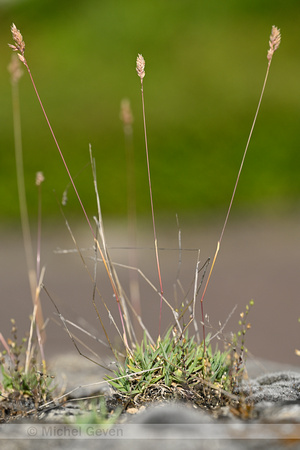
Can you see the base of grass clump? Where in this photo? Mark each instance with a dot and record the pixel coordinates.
(175, 368)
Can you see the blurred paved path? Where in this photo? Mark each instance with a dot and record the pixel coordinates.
(259, 259)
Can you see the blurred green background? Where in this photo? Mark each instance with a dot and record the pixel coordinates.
(205, 66)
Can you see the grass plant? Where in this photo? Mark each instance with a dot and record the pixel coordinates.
(176, 367)
(176, 364)
(22, 388)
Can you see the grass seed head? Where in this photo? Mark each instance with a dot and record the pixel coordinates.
(140, 66)
(19, 44)
(39, 178)
(274, 41)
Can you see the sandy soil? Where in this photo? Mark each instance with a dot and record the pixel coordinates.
(259, 259)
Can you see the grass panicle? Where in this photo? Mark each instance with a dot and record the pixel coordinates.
(274, 42)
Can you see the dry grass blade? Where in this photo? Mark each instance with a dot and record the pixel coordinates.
(71, 336)
(141, 273)
(78, 251)
(124, 317)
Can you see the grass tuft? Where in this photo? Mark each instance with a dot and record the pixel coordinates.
(21, 390)
(176, 365)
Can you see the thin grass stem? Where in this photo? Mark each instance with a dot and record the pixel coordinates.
(273, 44)
(16, 73)
(135, 297)
(19, 46)
(140, 67)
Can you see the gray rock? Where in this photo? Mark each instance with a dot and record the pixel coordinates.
(281, 412)
(280, 386)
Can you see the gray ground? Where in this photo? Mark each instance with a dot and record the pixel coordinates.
(259, 259)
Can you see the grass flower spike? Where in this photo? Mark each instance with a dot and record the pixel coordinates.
(19, 45)
(39, 178)
(274, 41)
(140, 66)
